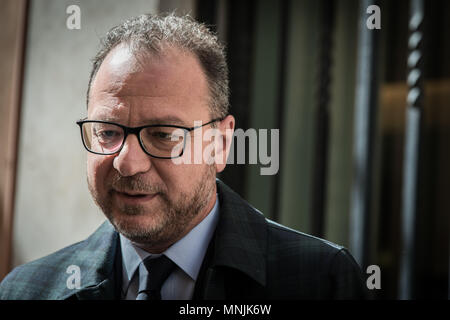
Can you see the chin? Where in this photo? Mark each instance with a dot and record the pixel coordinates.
(144, 221)
(142, 228)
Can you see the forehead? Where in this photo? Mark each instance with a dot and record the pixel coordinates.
(134, 86)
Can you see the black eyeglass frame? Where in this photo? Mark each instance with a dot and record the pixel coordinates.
(137, 131)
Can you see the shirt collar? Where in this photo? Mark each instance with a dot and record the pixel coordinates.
(187, 253)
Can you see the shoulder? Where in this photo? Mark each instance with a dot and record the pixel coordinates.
(291, 245)
(46, 278)
(39, 278)
(280, 244)
(281, 232)
(316, 267)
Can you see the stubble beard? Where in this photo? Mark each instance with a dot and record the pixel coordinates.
(168, 222)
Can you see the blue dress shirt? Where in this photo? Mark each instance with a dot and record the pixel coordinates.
(187, 253)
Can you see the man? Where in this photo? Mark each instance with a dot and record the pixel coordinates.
(174, 231)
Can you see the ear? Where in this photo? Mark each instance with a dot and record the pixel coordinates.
(222, 150)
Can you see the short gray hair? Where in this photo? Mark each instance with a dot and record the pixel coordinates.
(151, 32)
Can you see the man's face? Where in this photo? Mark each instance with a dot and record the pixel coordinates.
(153, 202)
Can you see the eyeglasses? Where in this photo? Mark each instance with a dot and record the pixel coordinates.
(159, 140)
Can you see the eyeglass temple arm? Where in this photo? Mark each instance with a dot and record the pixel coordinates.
(212, 121)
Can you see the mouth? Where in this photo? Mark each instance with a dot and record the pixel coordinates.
(133, 197)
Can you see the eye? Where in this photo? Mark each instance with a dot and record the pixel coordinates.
(108, 134)
(162, 135)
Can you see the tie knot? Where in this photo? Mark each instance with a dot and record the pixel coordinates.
(159, 270)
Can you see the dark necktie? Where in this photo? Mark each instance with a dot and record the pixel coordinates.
(159, 270)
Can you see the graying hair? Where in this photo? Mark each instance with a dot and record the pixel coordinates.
(151, 32)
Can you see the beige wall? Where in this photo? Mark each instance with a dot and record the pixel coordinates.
(53, 206)
(12, 26)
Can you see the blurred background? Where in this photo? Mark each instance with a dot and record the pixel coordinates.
(363, 113)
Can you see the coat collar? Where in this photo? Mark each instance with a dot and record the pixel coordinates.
(241, 236)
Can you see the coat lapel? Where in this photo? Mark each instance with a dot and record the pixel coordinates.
(101, 266)
(102, 291)
(213, 285)
(238, 251)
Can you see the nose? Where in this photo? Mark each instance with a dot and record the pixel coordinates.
(131, 159)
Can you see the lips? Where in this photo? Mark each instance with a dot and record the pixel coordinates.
(134, 197)
(134, 194)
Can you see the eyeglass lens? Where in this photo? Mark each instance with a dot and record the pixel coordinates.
(160, 141)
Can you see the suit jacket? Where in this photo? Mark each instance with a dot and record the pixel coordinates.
(249, 257)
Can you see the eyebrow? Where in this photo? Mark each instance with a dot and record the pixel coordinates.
(173, 120)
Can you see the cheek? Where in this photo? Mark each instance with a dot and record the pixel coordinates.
(180, 178)
(97, 170)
